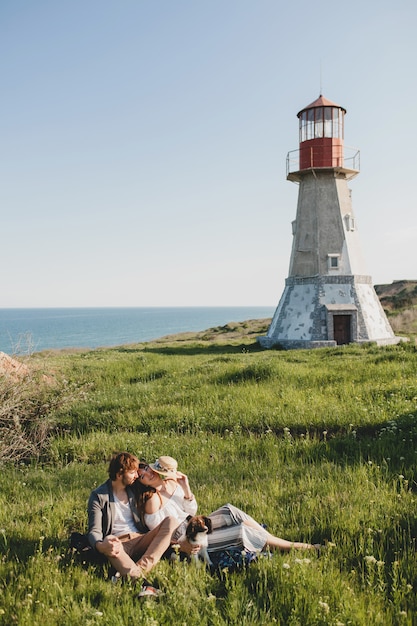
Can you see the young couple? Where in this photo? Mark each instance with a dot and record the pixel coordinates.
(142, 509)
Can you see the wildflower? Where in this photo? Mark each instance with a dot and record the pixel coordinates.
(401, 477)
(403, 613)
(324, 606)
(370, 559)
(99, 613)
(286, 565)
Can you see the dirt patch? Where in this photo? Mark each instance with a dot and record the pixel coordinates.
(12, 368)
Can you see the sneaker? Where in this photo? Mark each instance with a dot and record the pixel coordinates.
(115, 578)
(148, 590)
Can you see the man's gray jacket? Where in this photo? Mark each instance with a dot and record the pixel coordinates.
(101, 512)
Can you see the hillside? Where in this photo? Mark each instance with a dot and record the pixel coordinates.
(233, 332)
(400, 294)
(399, 301)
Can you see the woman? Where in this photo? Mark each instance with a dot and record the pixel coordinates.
(164, 491)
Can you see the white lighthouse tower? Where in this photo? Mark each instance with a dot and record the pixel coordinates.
(328, 298)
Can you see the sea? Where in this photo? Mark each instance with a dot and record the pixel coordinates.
(25, 331)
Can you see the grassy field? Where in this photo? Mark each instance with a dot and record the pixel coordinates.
(319, 445)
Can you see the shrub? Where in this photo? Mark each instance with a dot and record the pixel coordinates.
(28, 404)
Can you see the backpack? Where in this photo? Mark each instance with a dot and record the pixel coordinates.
(80, 546)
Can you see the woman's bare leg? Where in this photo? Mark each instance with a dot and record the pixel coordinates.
(281, 544)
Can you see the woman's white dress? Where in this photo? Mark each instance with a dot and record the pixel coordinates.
(228, 522)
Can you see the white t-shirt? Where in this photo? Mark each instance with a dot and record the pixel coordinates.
(123, 522)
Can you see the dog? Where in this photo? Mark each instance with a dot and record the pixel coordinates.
(198, 527)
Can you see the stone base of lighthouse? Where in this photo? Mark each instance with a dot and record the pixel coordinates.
(325, 311)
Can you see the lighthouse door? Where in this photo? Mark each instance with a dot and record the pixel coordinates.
(341, 328)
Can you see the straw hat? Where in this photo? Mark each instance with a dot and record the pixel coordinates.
(165, 465)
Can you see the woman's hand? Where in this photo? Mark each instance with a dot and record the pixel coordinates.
(182, 480)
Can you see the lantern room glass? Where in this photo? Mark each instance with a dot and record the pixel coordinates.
(320, 122)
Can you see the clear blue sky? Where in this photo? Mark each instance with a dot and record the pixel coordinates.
(143, 144)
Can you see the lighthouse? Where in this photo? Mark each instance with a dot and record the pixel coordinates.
(328, 297)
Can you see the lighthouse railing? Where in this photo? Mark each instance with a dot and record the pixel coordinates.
(350, 161)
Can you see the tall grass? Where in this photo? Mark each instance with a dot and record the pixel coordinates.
(319, 445)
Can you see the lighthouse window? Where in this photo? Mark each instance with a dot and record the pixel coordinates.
(336, 124)
(318, 130)
(321, 122)
(349, 221)
(309, 124)
(333, 261)
(328, 122)
(303, 126)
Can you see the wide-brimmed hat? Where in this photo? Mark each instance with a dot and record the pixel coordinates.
(165, 465)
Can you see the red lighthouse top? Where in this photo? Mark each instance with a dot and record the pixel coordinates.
(321, 134)
(321, 102)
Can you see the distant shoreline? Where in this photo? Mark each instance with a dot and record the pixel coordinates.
(25, 331)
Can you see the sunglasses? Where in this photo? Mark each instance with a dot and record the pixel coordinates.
(143, 466)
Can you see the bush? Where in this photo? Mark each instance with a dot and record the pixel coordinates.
(28, 403)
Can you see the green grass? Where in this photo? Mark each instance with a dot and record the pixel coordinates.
(320, 445)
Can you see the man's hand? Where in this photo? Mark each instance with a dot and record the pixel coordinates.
(110, 546)
(188, 548)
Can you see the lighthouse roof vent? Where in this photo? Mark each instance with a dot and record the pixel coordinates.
(321, 102)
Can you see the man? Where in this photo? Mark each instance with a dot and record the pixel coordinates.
(115, 529)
